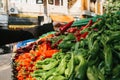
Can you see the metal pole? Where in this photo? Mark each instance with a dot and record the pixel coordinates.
(7, 13)
(6, 1)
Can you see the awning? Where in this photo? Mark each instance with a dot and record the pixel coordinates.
(61, 18)
(15, 27)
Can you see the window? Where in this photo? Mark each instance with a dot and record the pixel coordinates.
(57, 2)
(50, 1)
(39, 1)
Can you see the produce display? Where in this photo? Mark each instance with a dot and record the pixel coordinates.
(111, 6)
(88, 52)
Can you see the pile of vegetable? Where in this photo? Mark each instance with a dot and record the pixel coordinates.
(89, 52)
(111, 6)
(26, 58)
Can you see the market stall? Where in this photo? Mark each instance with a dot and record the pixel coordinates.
(87, 52)
(88, 49)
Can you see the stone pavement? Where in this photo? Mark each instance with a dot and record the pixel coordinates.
(5, 66)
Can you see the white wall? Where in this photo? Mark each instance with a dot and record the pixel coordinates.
(28, 7)
(2, 7)
(75, 9)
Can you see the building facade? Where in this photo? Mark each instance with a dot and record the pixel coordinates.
(35, 8)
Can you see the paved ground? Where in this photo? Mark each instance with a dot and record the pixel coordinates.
(5, 66)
